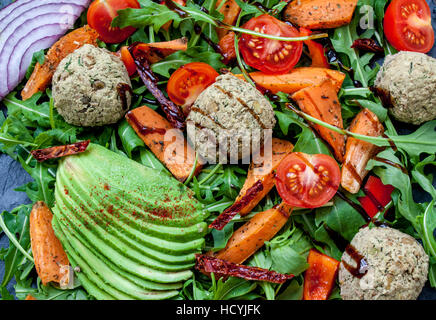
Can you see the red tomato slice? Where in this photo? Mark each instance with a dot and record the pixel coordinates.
(307, 181)
(100, 16)
(187, 82)
(407, 25)
(270, 56)
(127, 59)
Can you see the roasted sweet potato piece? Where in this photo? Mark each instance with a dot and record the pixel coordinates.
(51, 261)
(259, 182)
(322, 102)
(252, 235)
(320, 14)
(320, 277)
(297, 79)
(265, 173)
(175, 153)
(42, 74)
(358, 152)
(227, 47)
(156, 51)
(230, 10)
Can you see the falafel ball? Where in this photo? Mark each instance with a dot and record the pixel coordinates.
(89, 87)
(407, 83)
(232, 115)
(396, 269)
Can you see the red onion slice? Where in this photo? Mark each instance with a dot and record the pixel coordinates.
(28, 26)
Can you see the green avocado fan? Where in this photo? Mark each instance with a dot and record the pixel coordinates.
(129, 231)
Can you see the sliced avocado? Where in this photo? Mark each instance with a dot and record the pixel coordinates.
(97, 245)
(125, 212)
(102, 240)
(160, 198)
(91, 287)
(115, 226)
(145, 284)
(133, 231)
(105, 277)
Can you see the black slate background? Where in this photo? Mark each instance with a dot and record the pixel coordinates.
(12, 175)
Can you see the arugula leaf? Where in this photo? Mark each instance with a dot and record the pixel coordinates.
(38, 113)
(179, 58)
(308, 141)
(41, 189)
(290, 255)
(428, 225)
(17, 223)
(423, 140)
(232, 288)
(150, 14)
(294, 291)
(341, 217)
(129, 138)
(396, 177)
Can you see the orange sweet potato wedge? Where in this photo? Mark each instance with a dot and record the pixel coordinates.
(322, 102)
(50, 258)
(280, 149)
(230, 10)
(320, 277)
(297, 79)
(320, 14)
(252, 235)
(42, 74)
(358, 152)
(167, 144)
(156, 51)
(259, 182)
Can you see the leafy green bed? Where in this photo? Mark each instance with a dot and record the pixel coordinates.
(35, 124)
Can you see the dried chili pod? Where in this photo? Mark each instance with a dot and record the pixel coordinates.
(222, 268)
(60, 151)
(368, 45)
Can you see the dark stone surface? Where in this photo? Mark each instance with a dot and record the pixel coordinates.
(12, 175)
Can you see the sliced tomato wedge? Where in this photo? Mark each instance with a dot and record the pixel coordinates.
(187, 82)
(407, 25)
(307, 181)
(127, 59)
(102, 12)
(267, 55)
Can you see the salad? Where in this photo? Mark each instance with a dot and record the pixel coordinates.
(220, 149)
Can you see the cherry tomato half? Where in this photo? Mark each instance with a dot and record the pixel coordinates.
(267, 55)
(307, 181)
(187, 82)
(407, 25)
(100, 16)
(127, 59)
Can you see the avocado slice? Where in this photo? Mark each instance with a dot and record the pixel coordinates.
(160, 199)
(132, 230)
(109, 245)
(105, 278)
(80, 206)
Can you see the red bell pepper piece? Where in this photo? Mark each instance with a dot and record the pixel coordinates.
(320, 277)
(378, 195)
(316, 51)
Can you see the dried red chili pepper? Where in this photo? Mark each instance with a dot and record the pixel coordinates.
(173, 113)
(368, 45)
(222, 268)
(60, 151)
(220, 222)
